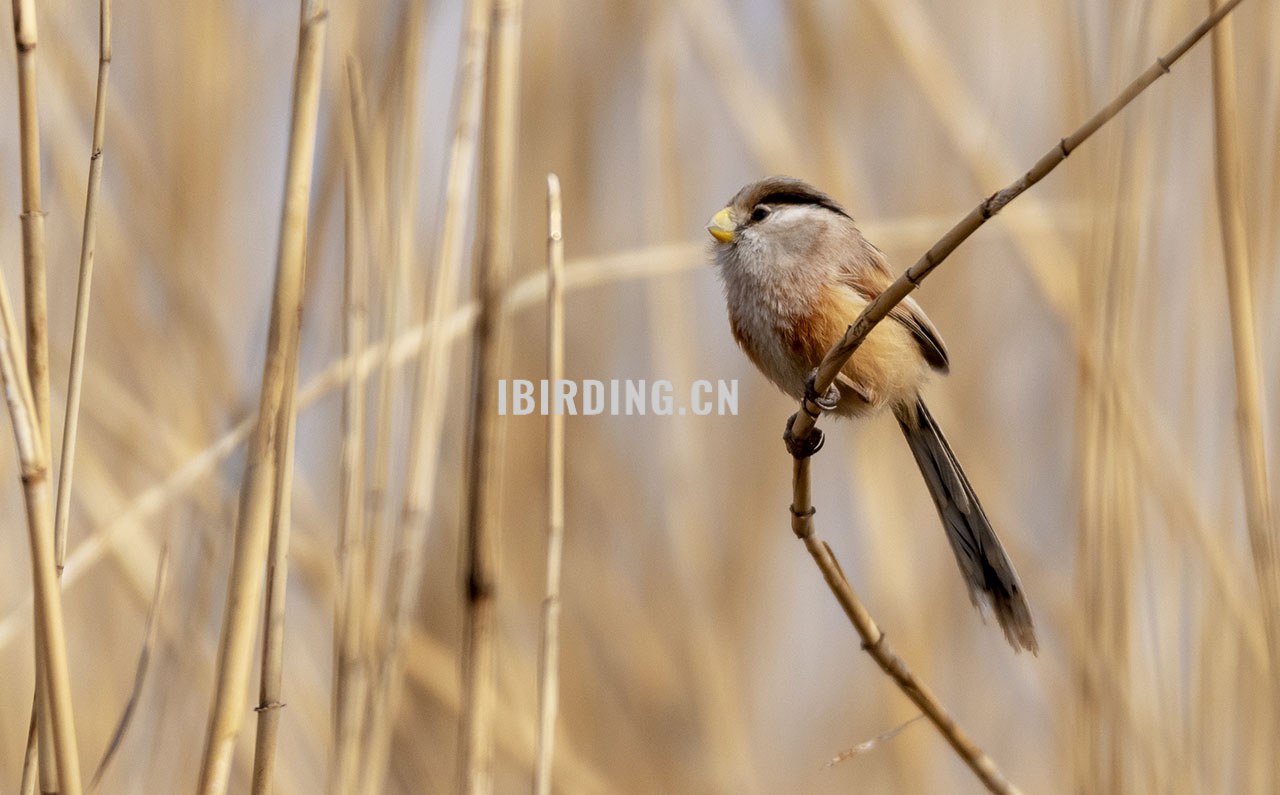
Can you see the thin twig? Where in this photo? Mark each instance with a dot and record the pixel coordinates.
(50, 637)
(549, 659)
(349, 675)
(427, 407)
(987, 209)
(960, 113)
(258, 494)
(875, 644)
(151, 629)
(867, 745)
(484, 426)
(802, 507)
(76, 379)
(1244, 344)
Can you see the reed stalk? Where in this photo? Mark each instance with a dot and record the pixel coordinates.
(35, 295)
(428, 405)
(271, 678)
(484, 445)
(259, 489)
(350, 680)
(549, 659)
(395, 274)
(75, 381)
(805, 420)
(1250, 398)
(50, 636)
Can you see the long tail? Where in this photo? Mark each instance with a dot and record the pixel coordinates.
(986, 567)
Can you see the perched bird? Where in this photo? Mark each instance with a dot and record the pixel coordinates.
(796, 273)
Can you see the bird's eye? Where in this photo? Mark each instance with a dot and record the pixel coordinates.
(760, 213)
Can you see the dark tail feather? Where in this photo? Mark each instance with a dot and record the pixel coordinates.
(987, 569)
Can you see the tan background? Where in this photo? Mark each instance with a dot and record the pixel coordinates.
(1091, 399)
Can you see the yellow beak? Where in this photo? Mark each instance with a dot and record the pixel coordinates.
(722, 227)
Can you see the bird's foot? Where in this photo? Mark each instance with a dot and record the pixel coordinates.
(802, 448)
(827, 401)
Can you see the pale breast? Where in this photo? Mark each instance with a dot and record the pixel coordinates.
(887, 368)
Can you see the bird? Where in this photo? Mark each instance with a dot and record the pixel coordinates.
(796, 273)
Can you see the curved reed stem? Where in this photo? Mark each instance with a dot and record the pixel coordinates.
(802, 505)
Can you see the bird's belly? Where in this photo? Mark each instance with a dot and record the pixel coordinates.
(888, 365)
(887, 369)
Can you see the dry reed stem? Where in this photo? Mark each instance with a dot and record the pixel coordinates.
(149, 633)
(403, 167)
(349, 675)
(46, 772)
(549, 659)
(1105, 541)
(964, 119)
(875, 644)
(428, 405)
(36, 305)
(75, 380)
(50, 637)
(71, 422)
(481, 529)
(1244, 343)
(802, 507)
(33, 238)
(430, 668)
(869, 745)
(30, 761)
(987, 209)
(271, 678)
(258, 490)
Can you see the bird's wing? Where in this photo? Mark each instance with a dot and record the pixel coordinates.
(869, 277)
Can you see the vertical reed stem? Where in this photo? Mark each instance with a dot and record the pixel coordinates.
(1244, 344)
(429, 396)
(270, 684)
(349, 674)
(36, 304)
(259, 495)
(50, 637)
(481, 531)
(549, 659)
(75, 380)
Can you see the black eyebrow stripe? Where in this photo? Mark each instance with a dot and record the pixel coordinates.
(798, 197)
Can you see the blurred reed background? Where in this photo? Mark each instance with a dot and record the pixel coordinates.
(1092, 396)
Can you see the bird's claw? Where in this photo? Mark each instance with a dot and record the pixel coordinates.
(827, 401)
(802, 449)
